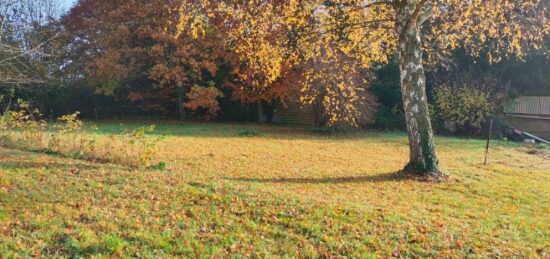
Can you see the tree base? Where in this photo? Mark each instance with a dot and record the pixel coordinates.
(414, 171)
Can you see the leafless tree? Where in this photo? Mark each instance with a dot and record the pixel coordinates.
(25, 39)
(29, 46)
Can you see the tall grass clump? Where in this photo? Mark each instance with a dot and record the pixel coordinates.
(24, 129)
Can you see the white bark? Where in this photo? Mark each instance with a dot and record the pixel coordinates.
(423, 158)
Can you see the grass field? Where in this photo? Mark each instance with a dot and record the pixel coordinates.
(265, 191)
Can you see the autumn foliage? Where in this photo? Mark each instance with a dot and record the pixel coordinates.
(204, 98)
(319, 53)
(128, 49)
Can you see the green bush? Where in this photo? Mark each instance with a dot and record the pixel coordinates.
(387, 89)
(388, 118)
(249, 133)
(465, 106)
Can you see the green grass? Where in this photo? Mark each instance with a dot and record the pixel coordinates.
(265, 191)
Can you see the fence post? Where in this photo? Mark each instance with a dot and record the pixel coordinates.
(488, 140)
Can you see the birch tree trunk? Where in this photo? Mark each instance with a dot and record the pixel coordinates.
(423, 159)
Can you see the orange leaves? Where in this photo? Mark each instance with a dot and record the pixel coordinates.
(135, 97)
(280, 49)
(167, 77)
(310, 50)
(206, 98)
(128, 44)
(108, 66)
(210, 66)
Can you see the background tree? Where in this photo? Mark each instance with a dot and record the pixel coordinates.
(467, 101)
(125, 49)
(368, 32)
(30, 45)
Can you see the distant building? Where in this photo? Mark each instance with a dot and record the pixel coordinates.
(530, 114)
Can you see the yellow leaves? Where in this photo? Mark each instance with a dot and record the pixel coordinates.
(466, 104)
(506, 27)
(190, 22)
(264, 59)
(321, 48)
(197, 28)
(182, 22)
(309, 47)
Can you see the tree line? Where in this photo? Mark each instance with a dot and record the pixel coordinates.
(358, 62)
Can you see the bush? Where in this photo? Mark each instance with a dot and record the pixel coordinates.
(388, 118)
(205, 99)
(387, 89)
(23, 129)
(249, 133)
(465, 106)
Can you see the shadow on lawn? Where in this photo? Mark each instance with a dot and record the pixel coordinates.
(20, 160)
(384, 177)
(20, 165)
(239, 130)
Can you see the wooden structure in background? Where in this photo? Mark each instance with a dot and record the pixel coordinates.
(294, 114)
(530, 114)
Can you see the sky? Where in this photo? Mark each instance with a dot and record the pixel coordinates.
(67, 4)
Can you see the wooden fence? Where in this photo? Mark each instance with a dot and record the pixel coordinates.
(294, 114)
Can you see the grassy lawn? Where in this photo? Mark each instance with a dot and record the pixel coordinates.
(266, 191)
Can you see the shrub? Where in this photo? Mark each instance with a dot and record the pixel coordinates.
(387, 89)
(465, 105)
(23, 129)
(390, 118)
(138, 148)
(249, 133)
(205, 98)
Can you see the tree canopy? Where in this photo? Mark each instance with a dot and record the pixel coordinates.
(332, 44)
(329, 42)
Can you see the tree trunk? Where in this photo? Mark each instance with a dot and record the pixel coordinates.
(260, 111)
(423, 159)
(42, 101)
(181, 97)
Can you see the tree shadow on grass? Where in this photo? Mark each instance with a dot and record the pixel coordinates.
(21, 165)
(170, 128)
(384, 177)
(26, 160)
